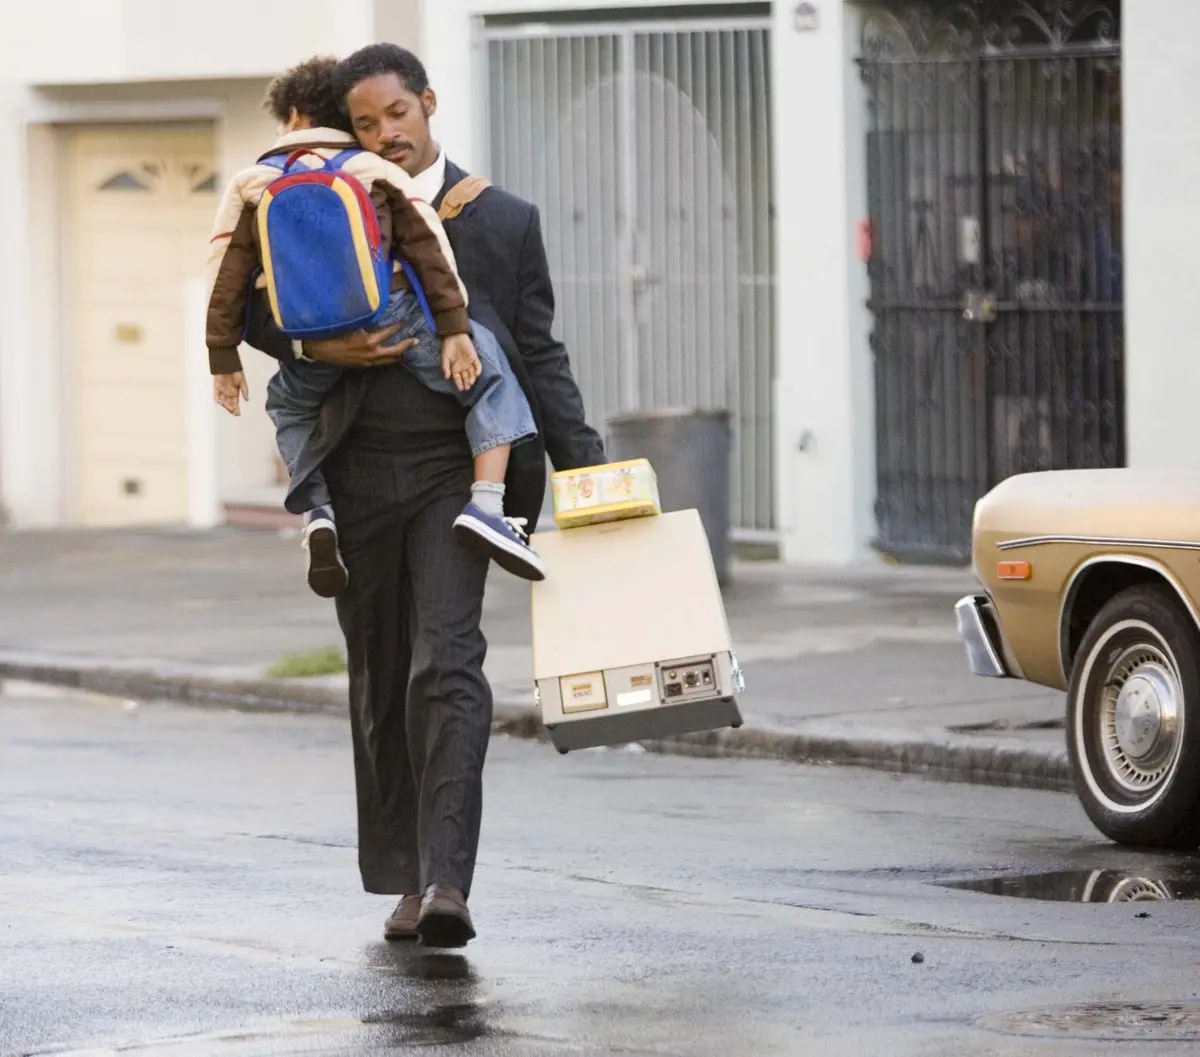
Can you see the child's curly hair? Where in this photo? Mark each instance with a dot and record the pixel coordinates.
(309, 89)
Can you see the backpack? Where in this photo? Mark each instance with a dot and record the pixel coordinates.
(326, 269)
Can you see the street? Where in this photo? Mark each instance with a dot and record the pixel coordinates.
(183, 882)
(336, 350)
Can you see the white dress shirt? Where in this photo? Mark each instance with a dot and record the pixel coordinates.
(428, 185)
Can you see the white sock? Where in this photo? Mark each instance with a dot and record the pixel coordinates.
(489, 497)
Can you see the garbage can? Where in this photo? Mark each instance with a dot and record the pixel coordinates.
(689, 450)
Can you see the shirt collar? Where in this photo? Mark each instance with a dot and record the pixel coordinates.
(428, 185)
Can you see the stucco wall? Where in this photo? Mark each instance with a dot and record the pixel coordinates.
(1162, 231)
(79, 61)
(825, 424)
(84, 41)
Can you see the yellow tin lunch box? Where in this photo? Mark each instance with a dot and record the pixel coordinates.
(612, 492)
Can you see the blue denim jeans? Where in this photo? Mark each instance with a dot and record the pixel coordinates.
(497, 411)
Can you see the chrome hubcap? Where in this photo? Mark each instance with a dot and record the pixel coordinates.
(1139, 719)
(1139, 890)
(1140, 711)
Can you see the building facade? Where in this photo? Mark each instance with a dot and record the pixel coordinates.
(120, 120)
(909, 246)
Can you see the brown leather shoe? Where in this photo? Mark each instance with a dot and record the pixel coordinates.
(402, 925)
(445, 921)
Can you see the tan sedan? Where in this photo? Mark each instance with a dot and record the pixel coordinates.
(1091, 580)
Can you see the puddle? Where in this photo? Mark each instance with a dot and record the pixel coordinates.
(1092, 886)
(450, 1027)
(1104, 1021)
(385, 1032)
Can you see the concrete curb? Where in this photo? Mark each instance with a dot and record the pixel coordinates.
(1002, 761)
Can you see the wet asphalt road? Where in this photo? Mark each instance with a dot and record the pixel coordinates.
(182, 882)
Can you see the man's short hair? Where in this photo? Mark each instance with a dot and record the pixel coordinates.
(376, 60)
(309, 89)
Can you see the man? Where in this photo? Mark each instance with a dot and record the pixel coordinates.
(395, 457)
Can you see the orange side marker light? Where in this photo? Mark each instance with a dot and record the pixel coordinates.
(1014, 570)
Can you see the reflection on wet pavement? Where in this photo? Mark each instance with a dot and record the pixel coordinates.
(1092, 886)
(417, 963)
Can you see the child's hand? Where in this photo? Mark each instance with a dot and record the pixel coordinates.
(460, 361)
(230, 390)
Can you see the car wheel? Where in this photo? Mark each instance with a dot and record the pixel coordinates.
(1133, 720)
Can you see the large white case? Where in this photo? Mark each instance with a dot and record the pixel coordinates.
(630, 640)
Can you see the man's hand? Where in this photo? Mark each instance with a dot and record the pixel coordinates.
(363, 348)
(230, 390)
(460, 361)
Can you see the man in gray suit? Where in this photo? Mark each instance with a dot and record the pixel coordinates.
(397, 462)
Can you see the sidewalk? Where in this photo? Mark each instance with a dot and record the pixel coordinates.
(859, 666)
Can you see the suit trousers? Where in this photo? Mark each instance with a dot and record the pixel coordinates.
(420, 706)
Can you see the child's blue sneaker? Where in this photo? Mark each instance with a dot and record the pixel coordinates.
(503, 539)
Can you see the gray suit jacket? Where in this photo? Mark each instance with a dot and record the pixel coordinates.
(497, 240)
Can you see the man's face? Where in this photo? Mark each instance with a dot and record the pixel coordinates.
(391, 121)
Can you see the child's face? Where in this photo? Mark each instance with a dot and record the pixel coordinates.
(391, 121)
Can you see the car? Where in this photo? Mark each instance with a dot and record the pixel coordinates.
(1090, 585)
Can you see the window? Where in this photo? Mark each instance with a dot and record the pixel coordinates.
(124, 181)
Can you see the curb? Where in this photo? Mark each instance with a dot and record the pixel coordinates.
(943, 756)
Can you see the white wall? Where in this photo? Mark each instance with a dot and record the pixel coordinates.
(127, 60)
(446, 36)
(398, 23)
(30, 464)
(825, 418)
(1162, 231)
(84, 41)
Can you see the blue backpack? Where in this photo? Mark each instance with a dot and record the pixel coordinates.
(326, 268)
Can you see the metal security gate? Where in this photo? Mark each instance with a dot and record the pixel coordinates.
(994, 167)
(647, 147)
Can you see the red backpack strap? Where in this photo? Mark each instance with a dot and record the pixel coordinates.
(296, 155)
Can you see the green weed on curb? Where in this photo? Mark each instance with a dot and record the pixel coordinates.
(306, 665)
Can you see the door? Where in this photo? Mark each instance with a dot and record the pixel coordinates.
(648, 150)
(141, 206)
(996, 272)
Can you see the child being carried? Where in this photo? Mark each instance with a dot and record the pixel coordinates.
(341, 244)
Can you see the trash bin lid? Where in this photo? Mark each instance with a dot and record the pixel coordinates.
(624, 417)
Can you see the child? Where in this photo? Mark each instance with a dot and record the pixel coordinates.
(302, 100)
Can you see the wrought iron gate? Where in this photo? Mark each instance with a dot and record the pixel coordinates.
(994, 167)
(647, 147)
